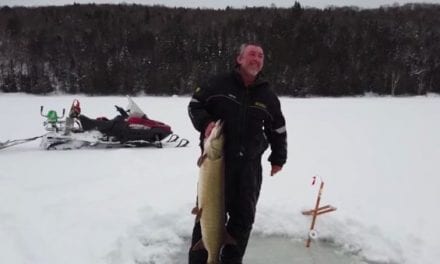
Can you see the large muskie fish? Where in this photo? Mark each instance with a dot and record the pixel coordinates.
(210, 208)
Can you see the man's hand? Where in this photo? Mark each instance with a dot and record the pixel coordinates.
(275, 169)
(208, 129)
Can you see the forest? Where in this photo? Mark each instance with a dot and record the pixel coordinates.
(156, 50)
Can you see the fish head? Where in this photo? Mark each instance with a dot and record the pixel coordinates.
(214, 142)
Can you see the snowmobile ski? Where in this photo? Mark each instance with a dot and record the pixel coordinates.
(180, 142)
(95, 139)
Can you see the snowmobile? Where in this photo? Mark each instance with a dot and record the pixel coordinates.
(130, 128)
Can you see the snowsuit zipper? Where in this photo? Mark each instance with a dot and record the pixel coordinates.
(243, 120)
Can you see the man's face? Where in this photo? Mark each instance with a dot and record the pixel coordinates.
(251, 60)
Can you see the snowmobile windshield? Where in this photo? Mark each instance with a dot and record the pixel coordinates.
(133, 109)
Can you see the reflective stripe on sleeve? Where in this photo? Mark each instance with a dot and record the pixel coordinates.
(281, 130)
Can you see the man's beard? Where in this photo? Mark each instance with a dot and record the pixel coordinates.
(253, 71)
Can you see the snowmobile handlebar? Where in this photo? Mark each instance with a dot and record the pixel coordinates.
(121, 111)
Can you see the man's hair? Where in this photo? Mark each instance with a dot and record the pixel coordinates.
(244, 45)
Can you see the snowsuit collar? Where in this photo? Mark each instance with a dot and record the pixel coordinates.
(258, 80)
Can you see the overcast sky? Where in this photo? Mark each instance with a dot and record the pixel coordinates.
(223, 3)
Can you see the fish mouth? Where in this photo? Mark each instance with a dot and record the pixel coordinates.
(218, 129)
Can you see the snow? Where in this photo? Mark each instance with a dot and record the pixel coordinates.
(378, 156)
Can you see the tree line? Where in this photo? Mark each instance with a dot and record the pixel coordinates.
(132, 49)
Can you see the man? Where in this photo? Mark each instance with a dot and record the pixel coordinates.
(252, 120)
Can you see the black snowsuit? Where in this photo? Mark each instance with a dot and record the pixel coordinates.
(252, 120)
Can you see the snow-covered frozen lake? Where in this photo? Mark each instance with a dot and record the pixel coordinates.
(379, 159)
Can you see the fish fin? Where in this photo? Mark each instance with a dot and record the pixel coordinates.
(229, 240)
(199, 214)
(195, 210)
(198, 246)
(201, 159)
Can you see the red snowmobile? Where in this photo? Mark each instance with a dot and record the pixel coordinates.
(131, 128)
